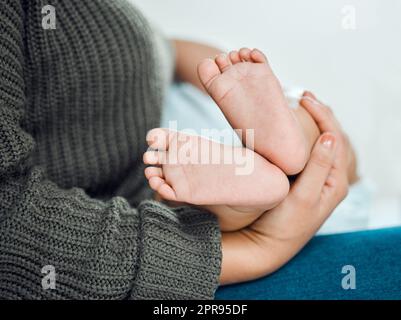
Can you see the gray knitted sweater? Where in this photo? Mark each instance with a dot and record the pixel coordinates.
(75, 106)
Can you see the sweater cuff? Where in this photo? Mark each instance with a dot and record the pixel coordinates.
(179, 253)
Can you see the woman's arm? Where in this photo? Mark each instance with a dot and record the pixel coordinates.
(188, 56)
(281, 233)
(98, 249)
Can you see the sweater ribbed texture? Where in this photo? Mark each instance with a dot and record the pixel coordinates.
(75, 106)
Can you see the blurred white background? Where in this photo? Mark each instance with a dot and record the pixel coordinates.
(347, 52)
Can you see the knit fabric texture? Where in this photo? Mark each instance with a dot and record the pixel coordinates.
(76, 103)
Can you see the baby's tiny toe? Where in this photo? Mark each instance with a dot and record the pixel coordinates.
(245, 54)
(162, 188)
(154, 158)
(258, 56)
(234, 57)
(156, 182)
(223, 62)
(208, 71)
(167, 193)
(151, 172)
(158, 139)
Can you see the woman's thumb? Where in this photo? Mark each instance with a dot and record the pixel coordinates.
(314, 177)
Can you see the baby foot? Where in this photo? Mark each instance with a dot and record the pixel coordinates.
(245, 88)
(198, 171)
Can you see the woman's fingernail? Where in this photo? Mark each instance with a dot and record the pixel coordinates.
(311, 95)
(311, 100)
(327, 141)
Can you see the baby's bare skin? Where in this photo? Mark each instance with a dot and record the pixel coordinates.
(224, 179)
(245, 88)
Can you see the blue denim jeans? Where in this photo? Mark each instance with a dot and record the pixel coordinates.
(316, 272)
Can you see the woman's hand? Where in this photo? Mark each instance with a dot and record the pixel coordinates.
(281, 233)
(353, 177)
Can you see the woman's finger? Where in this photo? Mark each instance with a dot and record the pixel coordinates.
(326, 121)
(322, 115)
(311, 95)
(308, 187)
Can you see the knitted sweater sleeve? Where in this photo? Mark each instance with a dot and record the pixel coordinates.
(86, 248)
